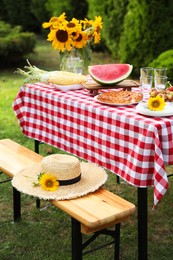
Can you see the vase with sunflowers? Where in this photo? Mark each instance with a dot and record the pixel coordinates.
(73, 40)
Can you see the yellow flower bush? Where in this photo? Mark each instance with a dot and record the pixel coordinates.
(156, 103)
(66, 35)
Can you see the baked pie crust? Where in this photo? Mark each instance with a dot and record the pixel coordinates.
(120, 97)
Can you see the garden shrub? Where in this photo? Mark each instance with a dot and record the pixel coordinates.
(14, 44)
(73, 8)
(147, 31)
(112, 12)
(38, 9)
(165, 59)
(19, 12)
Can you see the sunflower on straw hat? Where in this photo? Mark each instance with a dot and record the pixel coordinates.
(60, 177)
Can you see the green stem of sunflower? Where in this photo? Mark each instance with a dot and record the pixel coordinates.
(168, 84)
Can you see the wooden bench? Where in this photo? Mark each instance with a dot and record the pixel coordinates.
(13, 158)
(94, 213)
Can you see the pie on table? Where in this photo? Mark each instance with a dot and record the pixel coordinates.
(120, 97)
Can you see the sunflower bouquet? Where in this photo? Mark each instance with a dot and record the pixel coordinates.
(74, 35)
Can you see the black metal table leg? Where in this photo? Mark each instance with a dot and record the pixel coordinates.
(142, 224)
(118, 179)
(76, 240)
(117, 241)
(16, 205)
(36, 148)
(36, 144)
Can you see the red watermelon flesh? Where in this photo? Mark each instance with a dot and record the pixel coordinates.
(109, 74)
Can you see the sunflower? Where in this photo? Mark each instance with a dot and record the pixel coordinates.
(81, 40)
(74, 28)
(54, 20)
(48, 182)
(74, 25)
(61, 39)
(97, 24)
(156, 103)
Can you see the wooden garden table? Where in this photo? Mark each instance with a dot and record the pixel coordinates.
(132, 146)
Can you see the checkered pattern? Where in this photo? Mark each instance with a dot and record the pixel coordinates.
(133, 146)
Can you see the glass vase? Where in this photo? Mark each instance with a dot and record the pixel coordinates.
(72, 62)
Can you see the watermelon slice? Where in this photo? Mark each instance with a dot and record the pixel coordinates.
(110, 74)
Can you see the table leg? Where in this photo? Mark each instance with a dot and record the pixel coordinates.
(142, 224)
(36, 143)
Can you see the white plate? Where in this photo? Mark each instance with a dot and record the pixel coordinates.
(67, 87)
(143, 109)
(114, 104)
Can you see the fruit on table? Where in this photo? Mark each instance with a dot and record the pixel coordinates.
(167, 94)
(110, 74)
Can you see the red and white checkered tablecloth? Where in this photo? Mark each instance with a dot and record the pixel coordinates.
(133, 146)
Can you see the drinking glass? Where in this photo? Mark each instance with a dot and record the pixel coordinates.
(160, 82)
(146, 83)
(160, 72)
(146, 71)
(160, 78)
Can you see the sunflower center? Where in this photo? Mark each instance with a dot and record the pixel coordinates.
(98, 29)
(74, 34)
(62, 36)
(49, 183)
(71, 25)
(156, 104)
(79, 38)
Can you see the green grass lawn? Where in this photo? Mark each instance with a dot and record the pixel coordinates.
(46, 234)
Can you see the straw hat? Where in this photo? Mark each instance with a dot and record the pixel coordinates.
(74, 178)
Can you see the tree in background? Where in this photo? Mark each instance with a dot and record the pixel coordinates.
(113, 12)
(31, 14)
(147, 31)
(73, 8)
(18, 13)
(40, 12)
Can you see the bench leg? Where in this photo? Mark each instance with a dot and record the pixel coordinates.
(16, 205)
(76, 240)
(38, 203)
(77, 245)
(117, 241)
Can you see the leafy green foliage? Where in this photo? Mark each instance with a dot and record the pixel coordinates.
(38, 9)
(147, 31)
(14, 44)
(18, 12)
(165, 59)
(112, 12)
(73, 8)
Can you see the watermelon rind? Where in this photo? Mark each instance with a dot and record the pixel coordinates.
(110, 74)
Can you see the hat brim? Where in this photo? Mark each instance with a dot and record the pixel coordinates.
(92, 177)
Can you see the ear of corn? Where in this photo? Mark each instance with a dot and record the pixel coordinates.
(65, 78)
(35, 74)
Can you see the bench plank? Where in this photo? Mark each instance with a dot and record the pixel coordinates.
(15, 157)
(97, 210)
